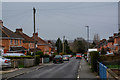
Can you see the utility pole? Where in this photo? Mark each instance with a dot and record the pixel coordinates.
(59, 47)
(87, 36)
(63, 43)
(34, 11)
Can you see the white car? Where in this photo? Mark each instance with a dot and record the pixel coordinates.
(4, 61)
(13, 54)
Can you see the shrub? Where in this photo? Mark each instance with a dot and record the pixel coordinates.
(103, 51)
(85, 56)
(28, 53)
(45, 55)
(18, 57)
(94, 58)
(40, 53)
(55, 54)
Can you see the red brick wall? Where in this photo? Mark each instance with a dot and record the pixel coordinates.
(6, 44)
(28, 45)
(45, 49)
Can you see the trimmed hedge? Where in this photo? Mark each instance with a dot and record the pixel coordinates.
(109, 58)
(94, 58)
(40, 53)
(18, 57)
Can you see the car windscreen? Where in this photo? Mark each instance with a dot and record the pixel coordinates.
(57, 56)
(65, 56)
(78, 54)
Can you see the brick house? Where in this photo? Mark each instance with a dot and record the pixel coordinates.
(103, 44)
(116, 42)
(111, 44)
(43, 45)
(28, 42)
(11, 41)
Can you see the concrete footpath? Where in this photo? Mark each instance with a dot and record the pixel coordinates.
(85, 71)
(17, 72)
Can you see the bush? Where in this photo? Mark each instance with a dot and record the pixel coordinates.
(45, 55)
(54, 54)
(40, 53)
(28, 53)
(103, 51)
(18, 57)
(85, 56)
(94, 58)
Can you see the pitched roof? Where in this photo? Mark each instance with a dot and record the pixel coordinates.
(41, 41)
(8, 34)
(26, 37)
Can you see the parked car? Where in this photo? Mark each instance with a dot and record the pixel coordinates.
(13, 54)
(78, 55)
(65, 58)
(5, 61)
(58, 59)
(70, 56)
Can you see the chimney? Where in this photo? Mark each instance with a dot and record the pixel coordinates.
(111, 38)
(1, 23)
(49, 41)
(36, 34)
(19, 30)
(115, 34)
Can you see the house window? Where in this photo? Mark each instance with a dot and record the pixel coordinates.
(20, 42)
(16, 42)
(11, 42)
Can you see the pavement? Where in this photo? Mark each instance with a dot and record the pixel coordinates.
(84, 71)
(16, 72)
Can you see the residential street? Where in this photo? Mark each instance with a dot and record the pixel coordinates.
(68, 69)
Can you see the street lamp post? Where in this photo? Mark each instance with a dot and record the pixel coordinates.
(87, 36)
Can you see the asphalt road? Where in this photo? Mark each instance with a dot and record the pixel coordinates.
(68, 69)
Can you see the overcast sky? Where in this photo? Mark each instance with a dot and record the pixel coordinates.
(58, 19)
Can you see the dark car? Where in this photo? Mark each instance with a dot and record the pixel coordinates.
(78, 56)
(65, 58)
(58, 59)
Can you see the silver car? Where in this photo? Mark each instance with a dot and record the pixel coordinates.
(5, 61)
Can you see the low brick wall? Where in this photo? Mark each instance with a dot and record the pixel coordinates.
(28, 62)
(16, 63)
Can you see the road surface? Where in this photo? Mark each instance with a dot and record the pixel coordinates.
(68, 69)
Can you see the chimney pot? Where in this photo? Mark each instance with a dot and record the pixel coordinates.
(19, 30)
(36, 34)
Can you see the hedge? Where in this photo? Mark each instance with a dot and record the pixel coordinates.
(18, 57)
(94, 58)
(109, 58)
